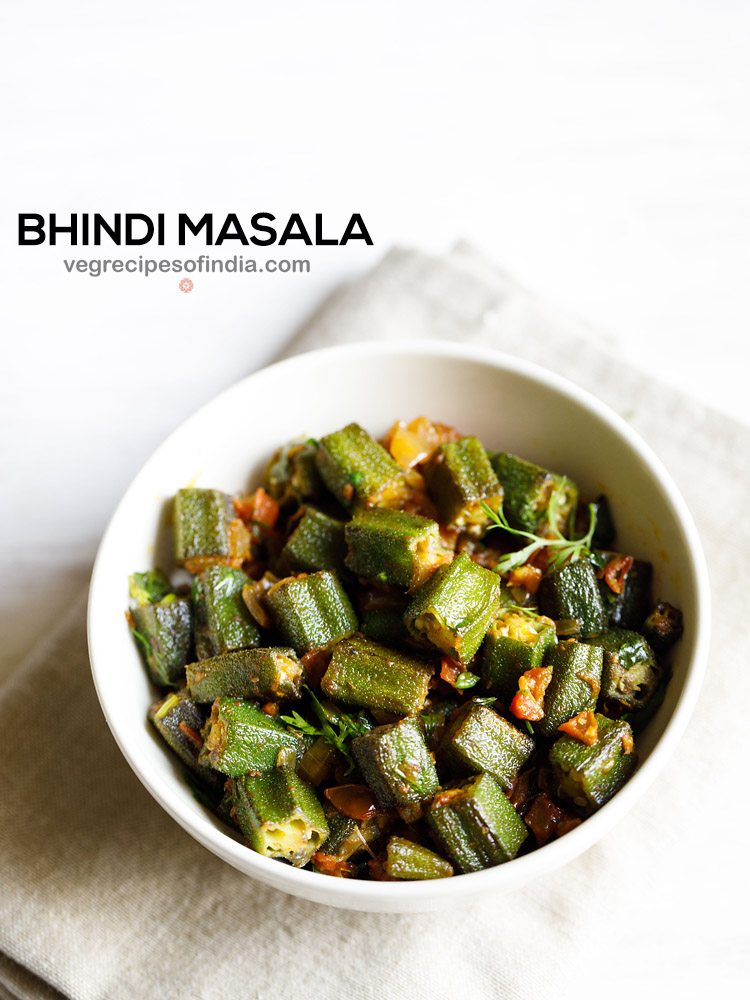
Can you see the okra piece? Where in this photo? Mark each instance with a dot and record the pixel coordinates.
(527, 492)
(397, 765)
(393, 547)
(316, 543)
(516, 642)
(588, 776)
(240, 737)
(292, 474)
(384, 624)
(365, 674)
(348, 837)
(475, 824)
(625, 586)
(460, 479)
(358, 470)
(206, 531)
(571, 595)
(454, 608)
(311, 611)
(663, 627)
(271, 674)
(630, 674)
(318, 762)
(575, 683)
(478, 739)
(149, 587)
(407, 860)
(222, 620)
(164, 632)
(280, 815)
(178, 721)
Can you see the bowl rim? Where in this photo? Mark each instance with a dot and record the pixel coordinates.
(346, 892)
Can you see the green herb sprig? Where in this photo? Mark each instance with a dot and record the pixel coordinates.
(337, 733)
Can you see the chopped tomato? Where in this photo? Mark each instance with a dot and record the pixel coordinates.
(528, 577)
(258, 507)
(329, 864)
(583, 727)
(315, 663)
(525, 707)
(450, 670)
(192, 734)
(354, 801)
(270, 708)
(615, 572)
(535, 682)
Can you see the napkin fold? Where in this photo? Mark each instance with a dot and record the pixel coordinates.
(104, 896)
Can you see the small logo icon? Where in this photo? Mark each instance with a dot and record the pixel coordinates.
(186, 285)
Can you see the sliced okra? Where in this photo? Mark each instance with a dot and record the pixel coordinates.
(475, 824)
(575, 683)
(365, 674)
(349, 837)
(273, 673)
(516, 642)
(316, 543)
(311, 611)
(149, 587)
(407, 860)
(318, 762)
(279, 815)
(164, 632)
(625, 586)
(222, 620)
(527, 492)
(453, 609)
(663, 627)
(588, 776)
(397, 765)
(571, 594)
(630, 675)
(240, 737)
(292, 474)
(206, 531)
(179, 721)
(478, 739)
(461, 480)
(393, 547)
(357, 469)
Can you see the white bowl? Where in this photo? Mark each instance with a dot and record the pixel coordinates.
(508, 403)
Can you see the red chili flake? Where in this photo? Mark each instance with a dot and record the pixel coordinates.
(583, 727)
(354, 801)
(615, 572)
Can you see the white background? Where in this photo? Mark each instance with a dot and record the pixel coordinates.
(598, 151)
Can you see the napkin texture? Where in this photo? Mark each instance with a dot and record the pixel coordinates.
(104, 896)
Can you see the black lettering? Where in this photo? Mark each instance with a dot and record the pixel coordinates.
(231, 223)
(351, 234)
(255, 222)
(54, 229)
(319, 240)
(137, 241)
(30, 223)
(205, 222)
(295, 220)
(114, 231)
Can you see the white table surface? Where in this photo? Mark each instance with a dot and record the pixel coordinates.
(600, 152)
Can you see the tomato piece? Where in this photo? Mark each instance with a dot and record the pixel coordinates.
(535, 682)
(354, 801)
(328, 864)
(615, 571)
(583, 727)
(258, 507)
(528, 577)
(450, 670)
(525, 707)
(315, 663)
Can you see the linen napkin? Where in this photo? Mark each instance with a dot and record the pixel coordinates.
(103, 896)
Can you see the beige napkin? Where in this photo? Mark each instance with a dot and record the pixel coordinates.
(104, 896)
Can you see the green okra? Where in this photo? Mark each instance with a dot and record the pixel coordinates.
(311, 611)
(627, 606)
(478, 739)
(571, 595)
(222, 620)
(150, 587)
(397, 765)
(663, 627)
(365, 674)
(517, 641)
(575, 683)
(384, 624)
(393, 547)
(630, 675)
(461, 481)
(316, 543)
(292, 474)
(239, 738)
(407, 860)
(204, 528)
(588, 776)
(435, 718)
(358, 470)
(273, 673)
(454, 608)
(164, 632)
(179, 721)
(318, 762)
(279, 815)
(475, 824)
(527, 491)
(349, 837)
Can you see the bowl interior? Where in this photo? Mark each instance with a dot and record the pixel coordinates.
(508, 404)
